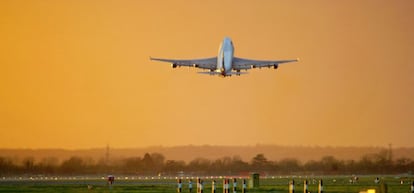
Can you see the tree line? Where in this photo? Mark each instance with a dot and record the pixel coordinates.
(157, 164)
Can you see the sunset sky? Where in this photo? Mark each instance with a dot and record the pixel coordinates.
(77, 74)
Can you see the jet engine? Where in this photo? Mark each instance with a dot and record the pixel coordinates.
(174, 65)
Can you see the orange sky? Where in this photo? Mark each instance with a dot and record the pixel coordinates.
(76, 74)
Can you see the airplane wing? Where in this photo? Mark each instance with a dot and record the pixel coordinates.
(205, 63)
(244, 64)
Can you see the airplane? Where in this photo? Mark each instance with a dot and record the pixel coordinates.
(225, 64)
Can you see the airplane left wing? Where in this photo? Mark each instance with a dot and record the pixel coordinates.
(205, 63)
(244, 64)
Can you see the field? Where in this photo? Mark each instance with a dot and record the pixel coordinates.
(272, 184)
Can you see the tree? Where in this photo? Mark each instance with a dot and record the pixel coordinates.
(402, 164)
(350, 166)
(6, 166)
(330, 164)
(382, 161)
(158, 161)
(238, 165)
(199, 165)
(172, 166)
(72, 165)
(48, 165)
(147, 163)
(132, 164)
(313, 166)
(259, 162)
(366, 164)
(289, 165)
(221, 165)
(28, 164)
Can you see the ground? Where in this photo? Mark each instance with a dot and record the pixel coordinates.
(274, 184)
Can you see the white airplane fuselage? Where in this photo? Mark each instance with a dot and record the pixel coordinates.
(225, 57)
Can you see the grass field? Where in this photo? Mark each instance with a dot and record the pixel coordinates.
(332, 184)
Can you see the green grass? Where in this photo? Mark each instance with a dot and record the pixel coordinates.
(269, 185)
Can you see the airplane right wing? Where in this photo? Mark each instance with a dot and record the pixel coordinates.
(205, 63)
(243, 63)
